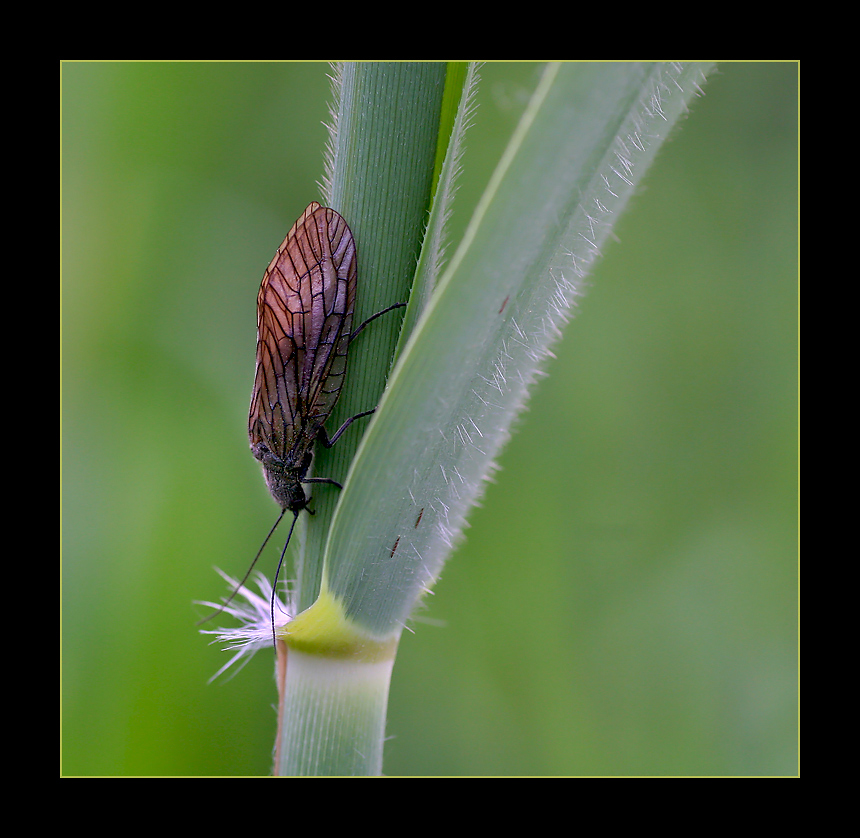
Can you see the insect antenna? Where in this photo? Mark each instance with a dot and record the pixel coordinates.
(248, 572)
(277, 572)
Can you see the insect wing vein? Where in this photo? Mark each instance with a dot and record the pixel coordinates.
(304, 316)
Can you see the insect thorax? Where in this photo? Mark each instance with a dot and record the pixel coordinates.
(283, 479)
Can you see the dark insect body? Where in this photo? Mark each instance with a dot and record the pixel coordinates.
(304, 320)
(305, 310)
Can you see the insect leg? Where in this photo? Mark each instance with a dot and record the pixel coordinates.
(373, 317)
(323, 437)
(322, 480)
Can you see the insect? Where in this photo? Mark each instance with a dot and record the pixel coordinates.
(305, 311)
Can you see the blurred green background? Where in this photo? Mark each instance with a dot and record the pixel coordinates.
(625, 600)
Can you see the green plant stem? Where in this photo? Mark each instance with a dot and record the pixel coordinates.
(333, 716)
(384, 146)
(380, 179)
(583, 144)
